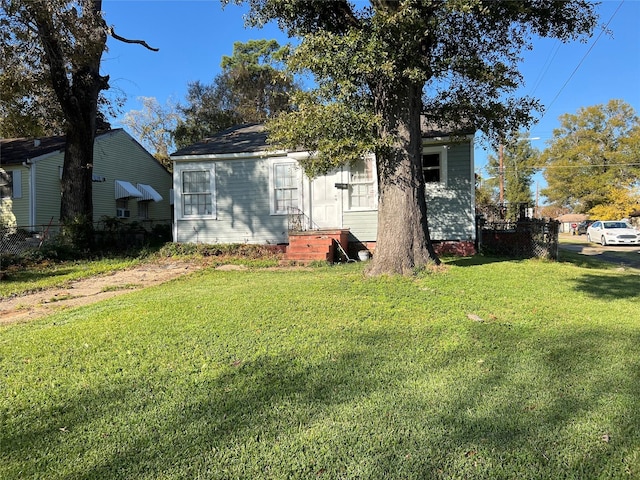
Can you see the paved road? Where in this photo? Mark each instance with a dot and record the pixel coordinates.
(627, 255)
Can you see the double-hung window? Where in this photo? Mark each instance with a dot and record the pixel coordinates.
(197, 193)
(434, 165)
(285, 191)
(362, 193)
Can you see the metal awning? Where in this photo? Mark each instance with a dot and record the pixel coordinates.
(148, 193)
(126, 190)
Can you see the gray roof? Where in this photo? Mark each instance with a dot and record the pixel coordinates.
(241, 139)
(14, 151)
(252, 137)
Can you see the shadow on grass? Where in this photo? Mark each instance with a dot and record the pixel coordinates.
(35, 275)
(609, 287)
(476, 260)
(533, 408)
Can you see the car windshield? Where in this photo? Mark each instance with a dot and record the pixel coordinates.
(614, 225)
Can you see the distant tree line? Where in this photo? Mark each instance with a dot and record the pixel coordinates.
(591, 165)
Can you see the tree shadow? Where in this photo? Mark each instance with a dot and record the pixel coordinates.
(609, 287)
(426, 414)
(477, 260)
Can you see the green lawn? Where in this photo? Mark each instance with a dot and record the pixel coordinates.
(323, 373)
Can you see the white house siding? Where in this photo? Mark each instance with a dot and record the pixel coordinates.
(363, 225)
(242, 210)
(242, 196)
(450, 207)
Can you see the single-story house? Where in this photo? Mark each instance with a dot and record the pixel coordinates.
(129, 183)
(234, 188)
(568, 220)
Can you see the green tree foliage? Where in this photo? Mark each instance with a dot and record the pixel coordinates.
(621, 203)
(58, 44)
(62, 44)
(379, 59)
(593, 153)
(252, 87)
(204, 114)
(153, 126)
(519, 163)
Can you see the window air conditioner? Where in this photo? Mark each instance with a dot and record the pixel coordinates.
(123, 213)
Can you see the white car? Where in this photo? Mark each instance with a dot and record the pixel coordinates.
(612, 233)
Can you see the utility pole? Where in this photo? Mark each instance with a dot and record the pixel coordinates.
(501, 172)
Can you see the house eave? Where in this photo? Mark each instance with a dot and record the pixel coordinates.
(229, 156)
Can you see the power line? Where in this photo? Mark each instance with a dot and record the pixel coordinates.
(487, 168)
(582, 60)
(546, 66)
(589, 165)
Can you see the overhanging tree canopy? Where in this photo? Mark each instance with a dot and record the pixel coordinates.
(60, 43)
(385, 63)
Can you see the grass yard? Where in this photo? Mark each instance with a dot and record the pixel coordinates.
(49, 275)
(485, 369)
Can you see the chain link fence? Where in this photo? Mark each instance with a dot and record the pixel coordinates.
(526, 238)
(109, 234)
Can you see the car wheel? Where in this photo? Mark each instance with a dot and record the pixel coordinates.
(603, 241)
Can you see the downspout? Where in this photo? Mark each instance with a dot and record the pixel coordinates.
(29, 165)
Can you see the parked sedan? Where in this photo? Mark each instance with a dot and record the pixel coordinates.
(612, 233)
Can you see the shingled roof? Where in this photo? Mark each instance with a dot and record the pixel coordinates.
(241, 139)
(252, 137)
(14, 151)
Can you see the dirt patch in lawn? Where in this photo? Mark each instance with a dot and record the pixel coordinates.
(91, 290)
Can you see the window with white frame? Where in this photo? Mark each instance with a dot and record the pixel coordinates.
(434, 165)
(122, 208)
(285, 187)
(362, 193)
(10, 184)
(197, 193)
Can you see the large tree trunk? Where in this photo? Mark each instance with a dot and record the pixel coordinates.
(77, 187)
(75, 77)
(403, 241)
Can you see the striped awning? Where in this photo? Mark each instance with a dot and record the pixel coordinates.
(148, 193)
(126, 190)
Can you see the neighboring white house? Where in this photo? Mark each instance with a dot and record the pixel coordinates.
(232, 188)
(129, 183)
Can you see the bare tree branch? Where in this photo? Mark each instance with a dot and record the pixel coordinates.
(126, 40)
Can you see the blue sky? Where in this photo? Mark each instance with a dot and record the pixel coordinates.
(193, 36)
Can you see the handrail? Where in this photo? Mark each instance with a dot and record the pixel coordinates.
(298, 221)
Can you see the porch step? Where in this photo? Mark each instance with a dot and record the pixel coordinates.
(309, 248)
(309, 256)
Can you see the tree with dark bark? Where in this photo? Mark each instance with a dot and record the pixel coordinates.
(386, 63)
(62, 41)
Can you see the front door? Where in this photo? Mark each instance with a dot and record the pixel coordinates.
(326, 201)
